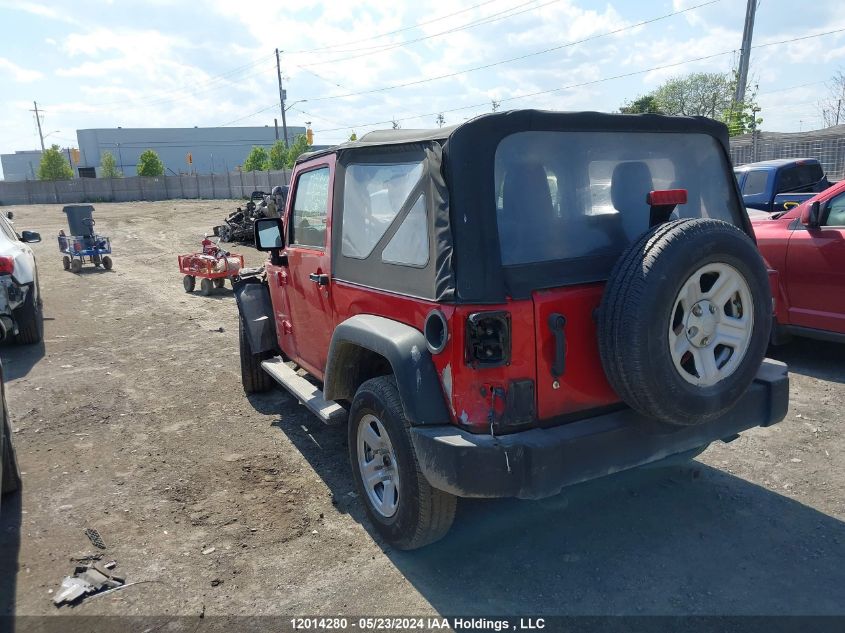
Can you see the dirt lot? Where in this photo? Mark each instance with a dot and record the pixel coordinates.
(131, 419)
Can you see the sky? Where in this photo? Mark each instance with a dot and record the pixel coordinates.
(356, 65)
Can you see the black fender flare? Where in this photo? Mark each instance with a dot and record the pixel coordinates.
(404, 348)
(256, 310)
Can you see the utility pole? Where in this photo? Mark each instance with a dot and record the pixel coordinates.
(745, 54)
(282, 98)
(38, 121)
(838, 109)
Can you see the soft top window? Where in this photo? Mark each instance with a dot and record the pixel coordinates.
(373, 196)
(566, 195)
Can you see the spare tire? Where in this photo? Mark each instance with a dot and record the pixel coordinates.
(684, 320)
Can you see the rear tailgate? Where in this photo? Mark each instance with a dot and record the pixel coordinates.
(582, 384)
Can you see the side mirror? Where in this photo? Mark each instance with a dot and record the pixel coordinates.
(30, 237)
(10, 215)
(810, 215)
(269, 235)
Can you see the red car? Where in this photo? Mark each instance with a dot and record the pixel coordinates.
(805, 246)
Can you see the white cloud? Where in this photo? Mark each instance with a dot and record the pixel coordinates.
(18, 73)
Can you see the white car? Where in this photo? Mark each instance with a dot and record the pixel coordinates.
(21, 307)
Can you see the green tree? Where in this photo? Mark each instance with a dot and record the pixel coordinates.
(108, 166)
(647, 104)
(54, 165)
(278, 155)
(149, 164)
(258, 160)
(299, 146)
(696, 94)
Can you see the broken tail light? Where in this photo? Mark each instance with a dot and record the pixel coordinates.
(7, 265)
(488, 339)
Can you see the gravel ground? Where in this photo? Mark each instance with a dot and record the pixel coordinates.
(131, 419)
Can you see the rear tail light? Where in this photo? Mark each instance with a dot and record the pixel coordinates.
(488, 339)
(7, 265)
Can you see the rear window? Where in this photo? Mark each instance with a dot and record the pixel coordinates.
(799, 177)
(565, 195)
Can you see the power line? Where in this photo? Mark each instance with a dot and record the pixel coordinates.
(153, 99)
(518, 58)
(585, 83)
(407, 28)
(495, 17)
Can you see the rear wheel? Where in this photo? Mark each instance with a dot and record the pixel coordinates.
(66, 262)
(405, 509)
(205, 287)
(684, 321)
(75, 266)
(30, 320)
(189, 282)
(220, 282)
(107, 262)
(253, 377)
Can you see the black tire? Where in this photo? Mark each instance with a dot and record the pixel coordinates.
(107, 262)
(189, 282)
(423, 514)
(206, 286)
(75, 266)
(30, 319)
(253, 377)
(638, 308)
(66, 262)
(220, 282)
(11, 471)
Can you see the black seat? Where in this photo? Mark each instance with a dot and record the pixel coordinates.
(528, 213)
(630, 184)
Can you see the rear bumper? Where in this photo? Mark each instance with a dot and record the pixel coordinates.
(540, 462)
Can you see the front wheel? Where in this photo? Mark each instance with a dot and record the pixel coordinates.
(206, 287)
(189, 282)
(405, 509)
(75, 266)
(253, 377)
(66, 262)
(107, 262)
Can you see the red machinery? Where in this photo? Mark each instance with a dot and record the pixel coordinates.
(213, 266)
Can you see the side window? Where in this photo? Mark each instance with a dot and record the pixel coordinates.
(755, 183)
(307, 224)
(373, 196)
(410, 244)
(836, 212)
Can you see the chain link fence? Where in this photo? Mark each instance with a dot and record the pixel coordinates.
(827, 146)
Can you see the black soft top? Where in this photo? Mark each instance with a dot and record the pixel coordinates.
(468, 267)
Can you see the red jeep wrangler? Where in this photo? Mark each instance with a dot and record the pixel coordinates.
(513, 305)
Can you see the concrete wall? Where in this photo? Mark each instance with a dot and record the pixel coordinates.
(214, 150)
(219, 186)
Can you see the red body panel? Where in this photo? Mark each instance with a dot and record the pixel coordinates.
(583, 385)
(809, 288)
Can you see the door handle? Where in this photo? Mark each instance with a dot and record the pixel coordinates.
(557, 323)
(320, 280)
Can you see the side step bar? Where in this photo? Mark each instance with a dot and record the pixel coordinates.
(328, 411)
